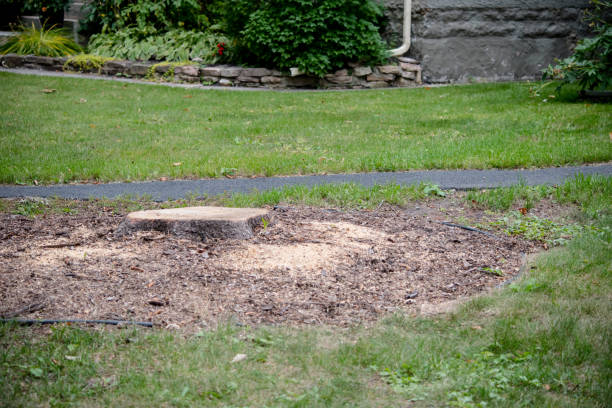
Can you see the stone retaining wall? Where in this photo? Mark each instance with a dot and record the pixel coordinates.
(406, 73)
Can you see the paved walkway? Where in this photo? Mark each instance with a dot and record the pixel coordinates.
(175, 189)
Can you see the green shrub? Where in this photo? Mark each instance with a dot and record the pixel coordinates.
(51, 42)
(590, 67)
(147, 16)
(317, 36)
(174, 45)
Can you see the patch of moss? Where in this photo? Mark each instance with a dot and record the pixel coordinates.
(86, 63)
(169, 74)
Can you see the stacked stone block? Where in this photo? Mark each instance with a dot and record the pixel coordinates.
(406, 73)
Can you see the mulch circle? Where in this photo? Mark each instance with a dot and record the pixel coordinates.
(308, 266)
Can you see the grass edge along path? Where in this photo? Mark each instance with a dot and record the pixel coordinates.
(543, 341)
(58, 130)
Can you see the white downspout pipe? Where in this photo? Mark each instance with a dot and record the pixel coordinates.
(407, 28)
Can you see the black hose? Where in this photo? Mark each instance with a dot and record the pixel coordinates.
(465, 227)
(518, 275)
(54, 321)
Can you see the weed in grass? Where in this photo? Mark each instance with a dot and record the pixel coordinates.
(538, 229)
(492, 271)
(501, 199)
(349, 195)
(433, 190)
(592, 193)
(30, 207)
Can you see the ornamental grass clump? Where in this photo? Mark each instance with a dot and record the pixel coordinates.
(49, 42)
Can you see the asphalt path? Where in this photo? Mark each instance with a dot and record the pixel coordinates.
(175, 189)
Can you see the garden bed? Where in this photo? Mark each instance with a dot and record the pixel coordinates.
(406, 73)
(308, 266)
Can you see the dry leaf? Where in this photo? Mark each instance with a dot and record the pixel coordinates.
(523, 210)
(48, 91)
(177, 164)
(82, 100)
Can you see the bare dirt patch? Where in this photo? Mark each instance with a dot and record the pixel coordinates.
(308, 266)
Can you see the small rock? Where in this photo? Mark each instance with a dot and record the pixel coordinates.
(248, 79)
(270, 80)
(409, 75)
(256, 72)
(139, 69)
(362, 71)
(410, 67)
(380, 77)
(187, 70)
(412, 295)
(377, 84)
(342, 79)
(238, 358)
(408, 60)
(211, 71)
(389, 69)
(232, 72)
(225, 82)
(295, 72)
(156, 302)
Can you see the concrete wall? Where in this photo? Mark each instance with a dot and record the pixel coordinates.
(465, 40)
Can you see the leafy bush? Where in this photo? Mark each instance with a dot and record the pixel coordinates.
(317, 36)
(174, 45)
(147, 16)
(51, 42)
(590, 67)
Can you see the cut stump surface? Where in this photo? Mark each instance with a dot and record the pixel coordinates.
(200, 222)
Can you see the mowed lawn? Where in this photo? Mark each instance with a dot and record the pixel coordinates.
(55, 130)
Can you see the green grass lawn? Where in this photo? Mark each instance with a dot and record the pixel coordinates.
(543, 341)
(95, 130)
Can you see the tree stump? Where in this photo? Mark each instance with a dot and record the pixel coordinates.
(197, 222)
